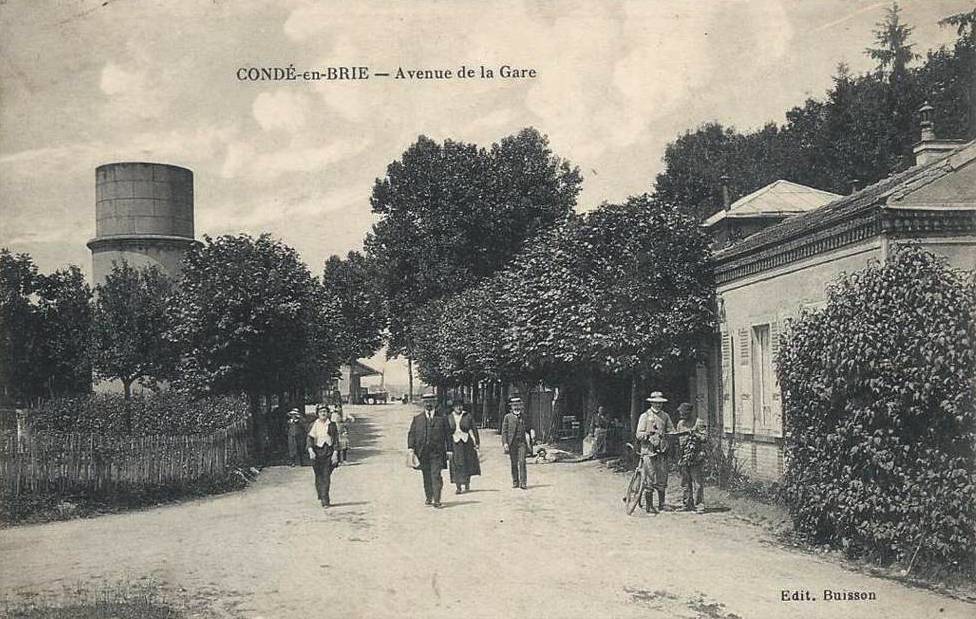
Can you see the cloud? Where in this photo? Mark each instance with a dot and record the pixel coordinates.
(244, 161)
(281, 110)
(130, 92)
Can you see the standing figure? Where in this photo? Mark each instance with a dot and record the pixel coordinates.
(653, 428)
(342, 421)
(516, 442)
(464, 435)
(693, 437)
(323, 443)
(429, 439)
(295, 430)
(599, 431)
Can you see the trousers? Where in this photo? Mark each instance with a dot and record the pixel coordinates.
(433, 483)
(692, 478)
(517, 454)
(322, 466)
(656, 471)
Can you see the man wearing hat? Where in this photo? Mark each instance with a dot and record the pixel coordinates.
(653, 428)
(295, 431)
(429, 439)
(516, 441)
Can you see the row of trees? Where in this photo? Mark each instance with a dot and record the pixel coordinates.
(862, 131)
(624, 290)
(247, 316)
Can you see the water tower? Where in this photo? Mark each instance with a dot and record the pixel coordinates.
(143, 215)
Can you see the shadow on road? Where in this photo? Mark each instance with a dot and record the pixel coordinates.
(350, 504)
(447, 504)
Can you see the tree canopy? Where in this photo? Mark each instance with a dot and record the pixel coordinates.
(454, 213)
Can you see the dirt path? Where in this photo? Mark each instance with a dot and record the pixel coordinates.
(563, 548)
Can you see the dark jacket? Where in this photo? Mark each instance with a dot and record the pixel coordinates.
(429, 439)
(514, 430)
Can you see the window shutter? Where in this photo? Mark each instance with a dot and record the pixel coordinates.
(774, 339)
(745, 343)
(727, 380)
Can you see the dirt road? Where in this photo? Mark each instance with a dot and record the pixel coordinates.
(562, 548)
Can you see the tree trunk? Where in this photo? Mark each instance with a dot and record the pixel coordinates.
(127, 418)
(635, 403)
(592, 401)
(257, 425)
(410, 378)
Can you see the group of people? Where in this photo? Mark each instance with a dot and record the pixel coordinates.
(656, 434)
(438, 442)
(451, 442)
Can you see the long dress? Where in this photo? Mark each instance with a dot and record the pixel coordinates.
(464, 461)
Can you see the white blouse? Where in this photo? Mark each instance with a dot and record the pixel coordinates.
(320, 432)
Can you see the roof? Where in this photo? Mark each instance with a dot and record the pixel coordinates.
(358, 368)
(777, 198)
(894, 187)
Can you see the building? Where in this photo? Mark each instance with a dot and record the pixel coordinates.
(762, 208)
(350, 375)
(771, 275)
(143, 215)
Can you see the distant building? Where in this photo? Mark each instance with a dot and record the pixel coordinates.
(778, 270)
(143, 215)
(350, 381)
(763, 208)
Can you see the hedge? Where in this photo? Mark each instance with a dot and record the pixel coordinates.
(163, 413)
(878, 391)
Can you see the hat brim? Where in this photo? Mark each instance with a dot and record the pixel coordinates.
(656, 400)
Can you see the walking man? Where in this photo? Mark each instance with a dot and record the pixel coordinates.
(429, 439)
(516, 441)
(653, 428)
(322, 442)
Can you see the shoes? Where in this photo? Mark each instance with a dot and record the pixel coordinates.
(523, 487)
(515, 484)
(428, 501)
(437, 505)
(467, 487)
(458, 490)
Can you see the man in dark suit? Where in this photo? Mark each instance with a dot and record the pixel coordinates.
(516, 441)
(429, 439)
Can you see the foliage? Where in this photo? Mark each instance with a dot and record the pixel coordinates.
(863, 130)
(44, 329)
(880, 415)
(453, 214)
(624, 289)
(165, 413)
(351, 286)
(131, 321)
(251, 318)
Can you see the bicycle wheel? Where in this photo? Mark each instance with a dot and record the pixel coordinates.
(635, 491)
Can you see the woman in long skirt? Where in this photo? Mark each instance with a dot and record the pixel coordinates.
(464, 434)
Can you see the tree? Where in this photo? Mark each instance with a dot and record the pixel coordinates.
(19, 328)
(66, 314)
(129, 340)
(350, 284)
(245, 316)
(44, 327)
(453, 214)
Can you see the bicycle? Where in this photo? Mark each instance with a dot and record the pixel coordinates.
(637, 487)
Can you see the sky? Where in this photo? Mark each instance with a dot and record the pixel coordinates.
(85, 82)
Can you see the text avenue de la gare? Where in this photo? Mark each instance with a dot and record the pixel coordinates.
(290, 73)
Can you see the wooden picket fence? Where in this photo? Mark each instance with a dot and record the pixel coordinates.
(90, 463)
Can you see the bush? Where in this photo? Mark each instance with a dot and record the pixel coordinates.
(163, 413)
(879, 414)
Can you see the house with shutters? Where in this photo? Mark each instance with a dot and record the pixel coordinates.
(769, 276)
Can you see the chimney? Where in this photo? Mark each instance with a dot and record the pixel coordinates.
(726, 203)
(929, 147)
